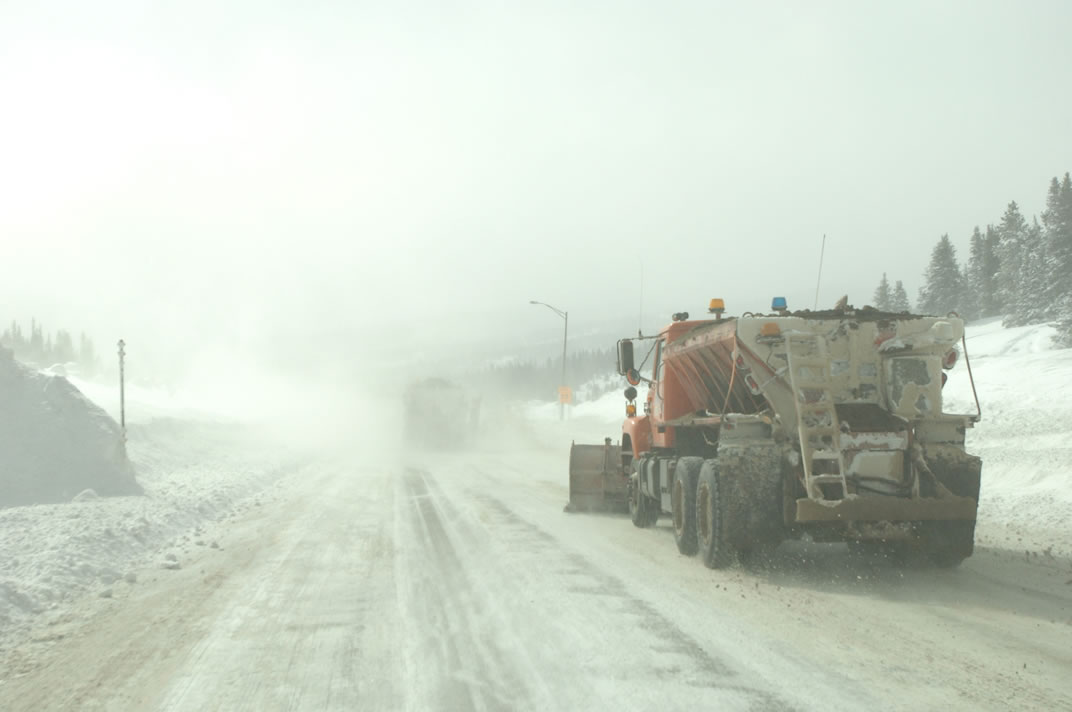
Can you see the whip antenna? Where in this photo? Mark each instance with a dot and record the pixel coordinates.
(819, 279)
(640, 307)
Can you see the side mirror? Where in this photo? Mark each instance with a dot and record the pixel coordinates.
(625, 357)
(630, 394)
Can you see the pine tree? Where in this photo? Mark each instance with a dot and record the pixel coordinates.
(899, 300)
(63, 347)
(1032, 305)
(1057, 219)
(942, 289)
(36, 352)
(973, 286)
(1057, 228)
(980, 275)
(87, 357)
(881, 300)
(1012, 239)
(991, 264)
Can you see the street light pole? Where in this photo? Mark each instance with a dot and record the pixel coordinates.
(565, 336)
(122, 391)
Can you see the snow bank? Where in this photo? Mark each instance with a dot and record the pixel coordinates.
(55, 443)
(1024, 438)
(195, 476)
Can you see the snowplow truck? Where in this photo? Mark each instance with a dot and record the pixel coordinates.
(760, 428)
(439, 415)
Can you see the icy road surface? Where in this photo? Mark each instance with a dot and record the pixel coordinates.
(457, 583)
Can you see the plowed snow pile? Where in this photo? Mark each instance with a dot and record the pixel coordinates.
(54, 443)
(196, 475)
(1024, 438)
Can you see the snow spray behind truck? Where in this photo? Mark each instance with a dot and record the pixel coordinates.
(764, 427)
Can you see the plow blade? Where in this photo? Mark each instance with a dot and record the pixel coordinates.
(596, 481)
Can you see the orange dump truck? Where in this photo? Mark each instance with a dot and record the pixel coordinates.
(764, 427)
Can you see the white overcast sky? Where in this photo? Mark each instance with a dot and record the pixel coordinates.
(250, 171)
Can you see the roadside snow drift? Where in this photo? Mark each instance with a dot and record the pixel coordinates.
(55, 443)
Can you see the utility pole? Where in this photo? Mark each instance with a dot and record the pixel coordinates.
(562, 397)
(563, 390)
(122, 393)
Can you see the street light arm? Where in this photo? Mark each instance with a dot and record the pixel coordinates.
(564, 315)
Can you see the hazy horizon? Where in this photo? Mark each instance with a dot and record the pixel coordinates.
(195, 179)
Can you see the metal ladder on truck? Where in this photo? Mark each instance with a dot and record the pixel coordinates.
(817, 421)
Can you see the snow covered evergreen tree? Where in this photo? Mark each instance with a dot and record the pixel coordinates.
(943, 284)
(980, 275)
(881, 300)
(1011, 247)
(1057, 226)
(899, 299)
(991, 265)
(1032, 305)
(87, 357)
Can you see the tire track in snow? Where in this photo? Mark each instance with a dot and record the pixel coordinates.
(456, 637)
(677, 656)
(297, 629)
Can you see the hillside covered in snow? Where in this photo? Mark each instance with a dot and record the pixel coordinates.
(54, 442)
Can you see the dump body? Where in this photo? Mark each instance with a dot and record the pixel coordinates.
(699, 362)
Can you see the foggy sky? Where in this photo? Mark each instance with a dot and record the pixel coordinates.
(188, 175)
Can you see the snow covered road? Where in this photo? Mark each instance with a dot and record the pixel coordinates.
(457, 582)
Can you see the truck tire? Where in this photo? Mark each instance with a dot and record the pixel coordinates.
(711, 519)
(642, 510)
(949, 543)
(683, 503)
(753, 492)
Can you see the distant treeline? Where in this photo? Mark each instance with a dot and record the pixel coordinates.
(1016, 270)
(539, 380)
(43, 349)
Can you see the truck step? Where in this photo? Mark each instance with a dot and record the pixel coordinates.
(812, 385)
(811, 362)
(827, 479)
(818, 407)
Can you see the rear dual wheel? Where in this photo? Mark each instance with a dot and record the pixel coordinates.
(642, 510)
(683, 503)
(711, 519)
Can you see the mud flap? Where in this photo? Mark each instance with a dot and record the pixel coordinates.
(950, 542)
(596, 480)
(751, 477)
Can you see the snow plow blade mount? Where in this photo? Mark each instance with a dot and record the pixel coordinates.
(596, 481)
